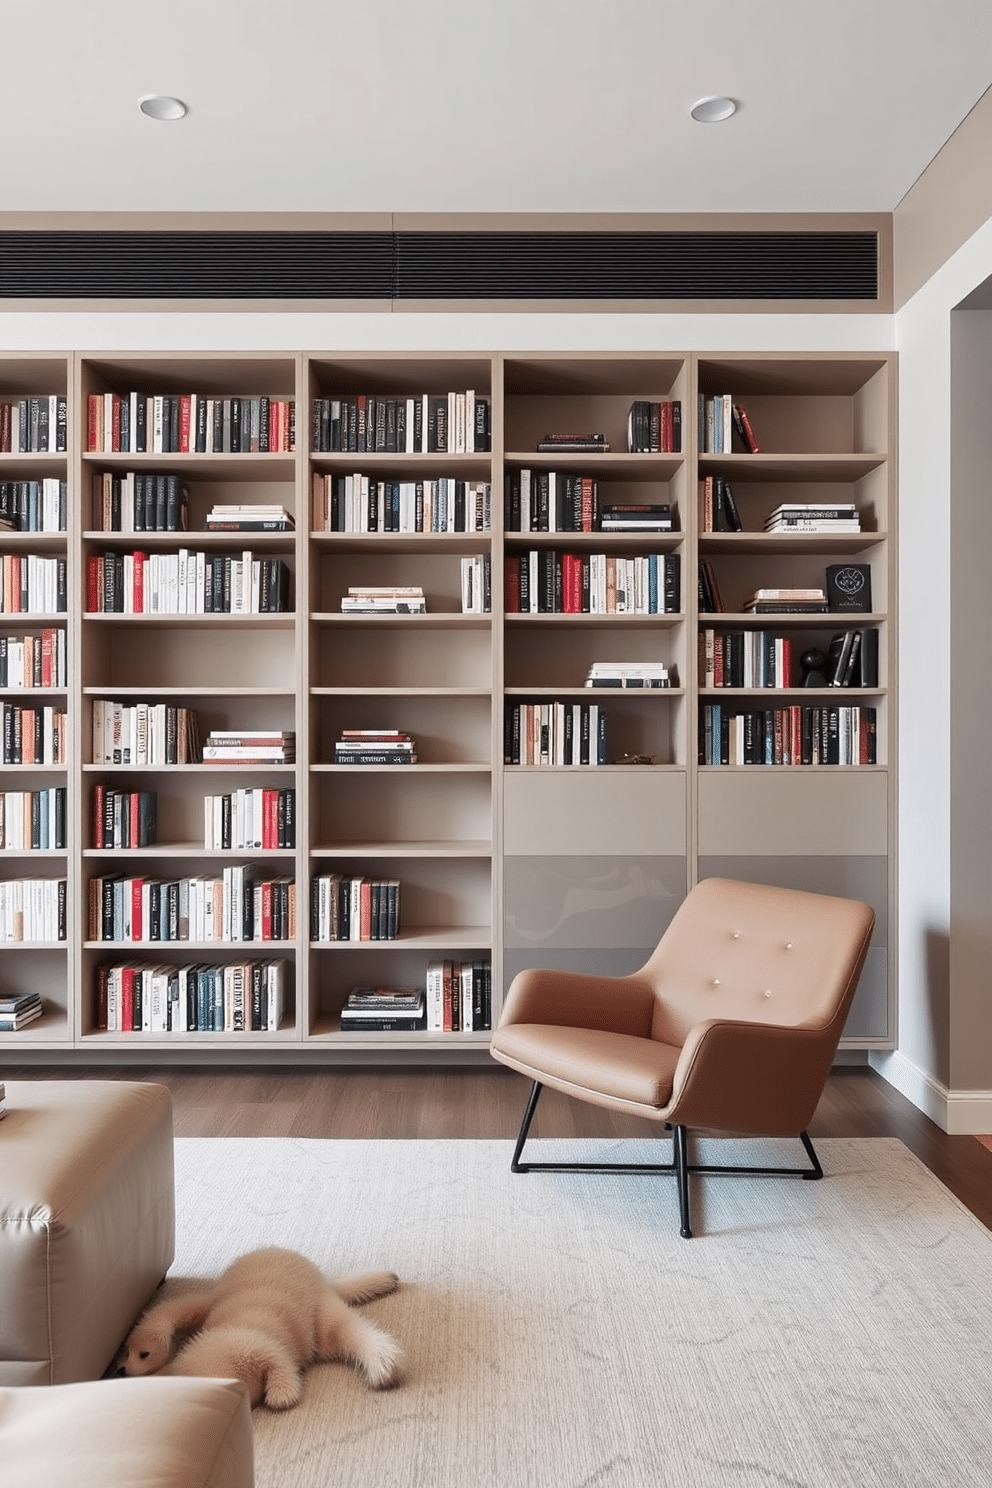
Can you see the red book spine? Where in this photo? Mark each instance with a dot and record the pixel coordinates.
(99, 794)
(137, 925)
(94, 585)
(132, 815)
(115, 423)
(94, 408)
(267, 910)
(365, 916)
(511, 586)
(127, 999)
(138, 592)
(185, 419)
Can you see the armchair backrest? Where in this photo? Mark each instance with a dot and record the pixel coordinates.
(760, 955)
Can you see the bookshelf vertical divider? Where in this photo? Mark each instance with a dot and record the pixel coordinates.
(501, 861)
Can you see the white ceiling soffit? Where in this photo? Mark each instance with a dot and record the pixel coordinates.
(447, 106)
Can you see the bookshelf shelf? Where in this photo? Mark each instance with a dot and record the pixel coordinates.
(509, 864)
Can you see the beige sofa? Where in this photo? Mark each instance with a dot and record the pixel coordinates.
(87, 1232)
(124, 1433)
(87, 1222)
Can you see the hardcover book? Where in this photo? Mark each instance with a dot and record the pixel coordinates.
(849, 587)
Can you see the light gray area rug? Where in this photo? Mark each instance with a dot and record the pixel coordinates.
(559, 1331)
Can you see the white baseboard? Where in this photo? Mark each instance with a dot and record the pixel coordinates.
(960, 1113)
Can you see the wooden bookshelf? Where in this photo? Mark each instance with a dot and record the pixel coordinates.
(568, 865)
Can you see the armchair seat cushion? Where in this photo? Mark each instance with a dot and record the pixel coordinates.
(609, 1066)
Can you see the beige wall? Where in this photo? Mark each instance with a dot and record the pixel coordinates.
(949, 202)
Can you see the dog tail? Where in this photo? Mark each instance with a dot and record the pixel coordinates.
(365, 1286)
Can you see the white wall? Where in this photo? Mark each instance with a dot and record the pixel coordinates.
(922, 1068)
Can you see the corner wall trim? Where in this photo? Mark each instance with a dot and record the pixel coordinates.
(960, 1113)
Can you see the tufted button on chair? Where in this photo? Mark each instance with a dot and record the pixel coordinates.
(731, 1025)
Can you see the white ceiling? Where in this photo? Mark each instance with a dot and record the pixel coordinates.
(459, 106)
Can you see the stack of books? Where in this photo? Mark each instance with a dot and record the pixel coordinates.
(387, 599)
(635, 516)
(573, 444)
(384, 1010)
(628, 674)
(374, 747)
(787, 602)
(17, 1010)
(250, 747)
(794, 516)
(249, 517)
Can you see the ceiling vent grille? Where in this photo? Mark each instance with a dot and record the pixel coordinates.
(440, 265)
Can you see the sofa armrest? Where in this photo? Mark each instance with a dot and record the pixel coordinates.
(755, 1078)
(576, 1000)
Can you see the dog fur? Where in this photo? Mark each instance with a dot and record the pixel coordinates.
(270, 1315)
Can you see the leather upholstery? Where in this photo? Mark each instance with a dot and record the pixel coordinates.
(128, 1433)
(87, 1222)
(731, 1025)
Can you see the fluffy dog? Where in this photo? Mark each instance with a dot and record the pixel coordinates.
(270, 1315)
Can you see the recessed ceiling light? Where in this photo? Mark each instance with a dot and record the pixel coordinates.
(160, 106)
(712, 110)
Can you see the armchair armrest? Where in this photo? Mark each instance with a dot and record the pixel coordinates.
(575, 1000)
(753, 1078)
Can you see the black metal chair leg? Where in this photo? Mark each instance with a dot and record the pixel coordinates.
(680, 1146)
(816, 1171)
(516, 1166)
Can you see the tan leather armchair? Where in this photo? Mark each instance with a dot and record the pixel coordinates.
(731, 1026)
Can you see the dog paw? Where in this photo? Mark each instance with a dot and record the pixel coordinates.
(282, 1391)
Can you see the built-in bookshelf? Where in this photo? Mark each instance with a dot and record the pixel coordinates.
(334, 671)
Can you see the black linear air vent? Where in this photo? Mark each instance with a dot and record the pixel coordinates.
(440, 265)
(648, 266)
(196, 265)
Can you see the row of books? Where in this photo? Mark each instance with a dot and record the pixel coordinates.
(235, 997)
(17, 1010)
(189, 423)
(384, 599)
(347, 907)
(33, 909)
(360, 503)
(33, 660)
(796, 735)
(374, 747)
(457, 423)
(554, 733)
(144, 734)
(124, 818)
(258, 819)
(631, 674)
(33, 505)
(33, 820)
(718, 505)
(139, 501)
(655, 427)
(249, 747)
(546, 581)
(233, 906)
(477, 584)
(550, 501)
(33, 585)
(458, 996)
(34, 736)
(724, 425)
(760, 658)
(186, 583)
(34, 425)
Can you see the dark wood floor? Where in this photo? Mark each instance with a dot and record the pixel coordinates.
(487, 1102)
